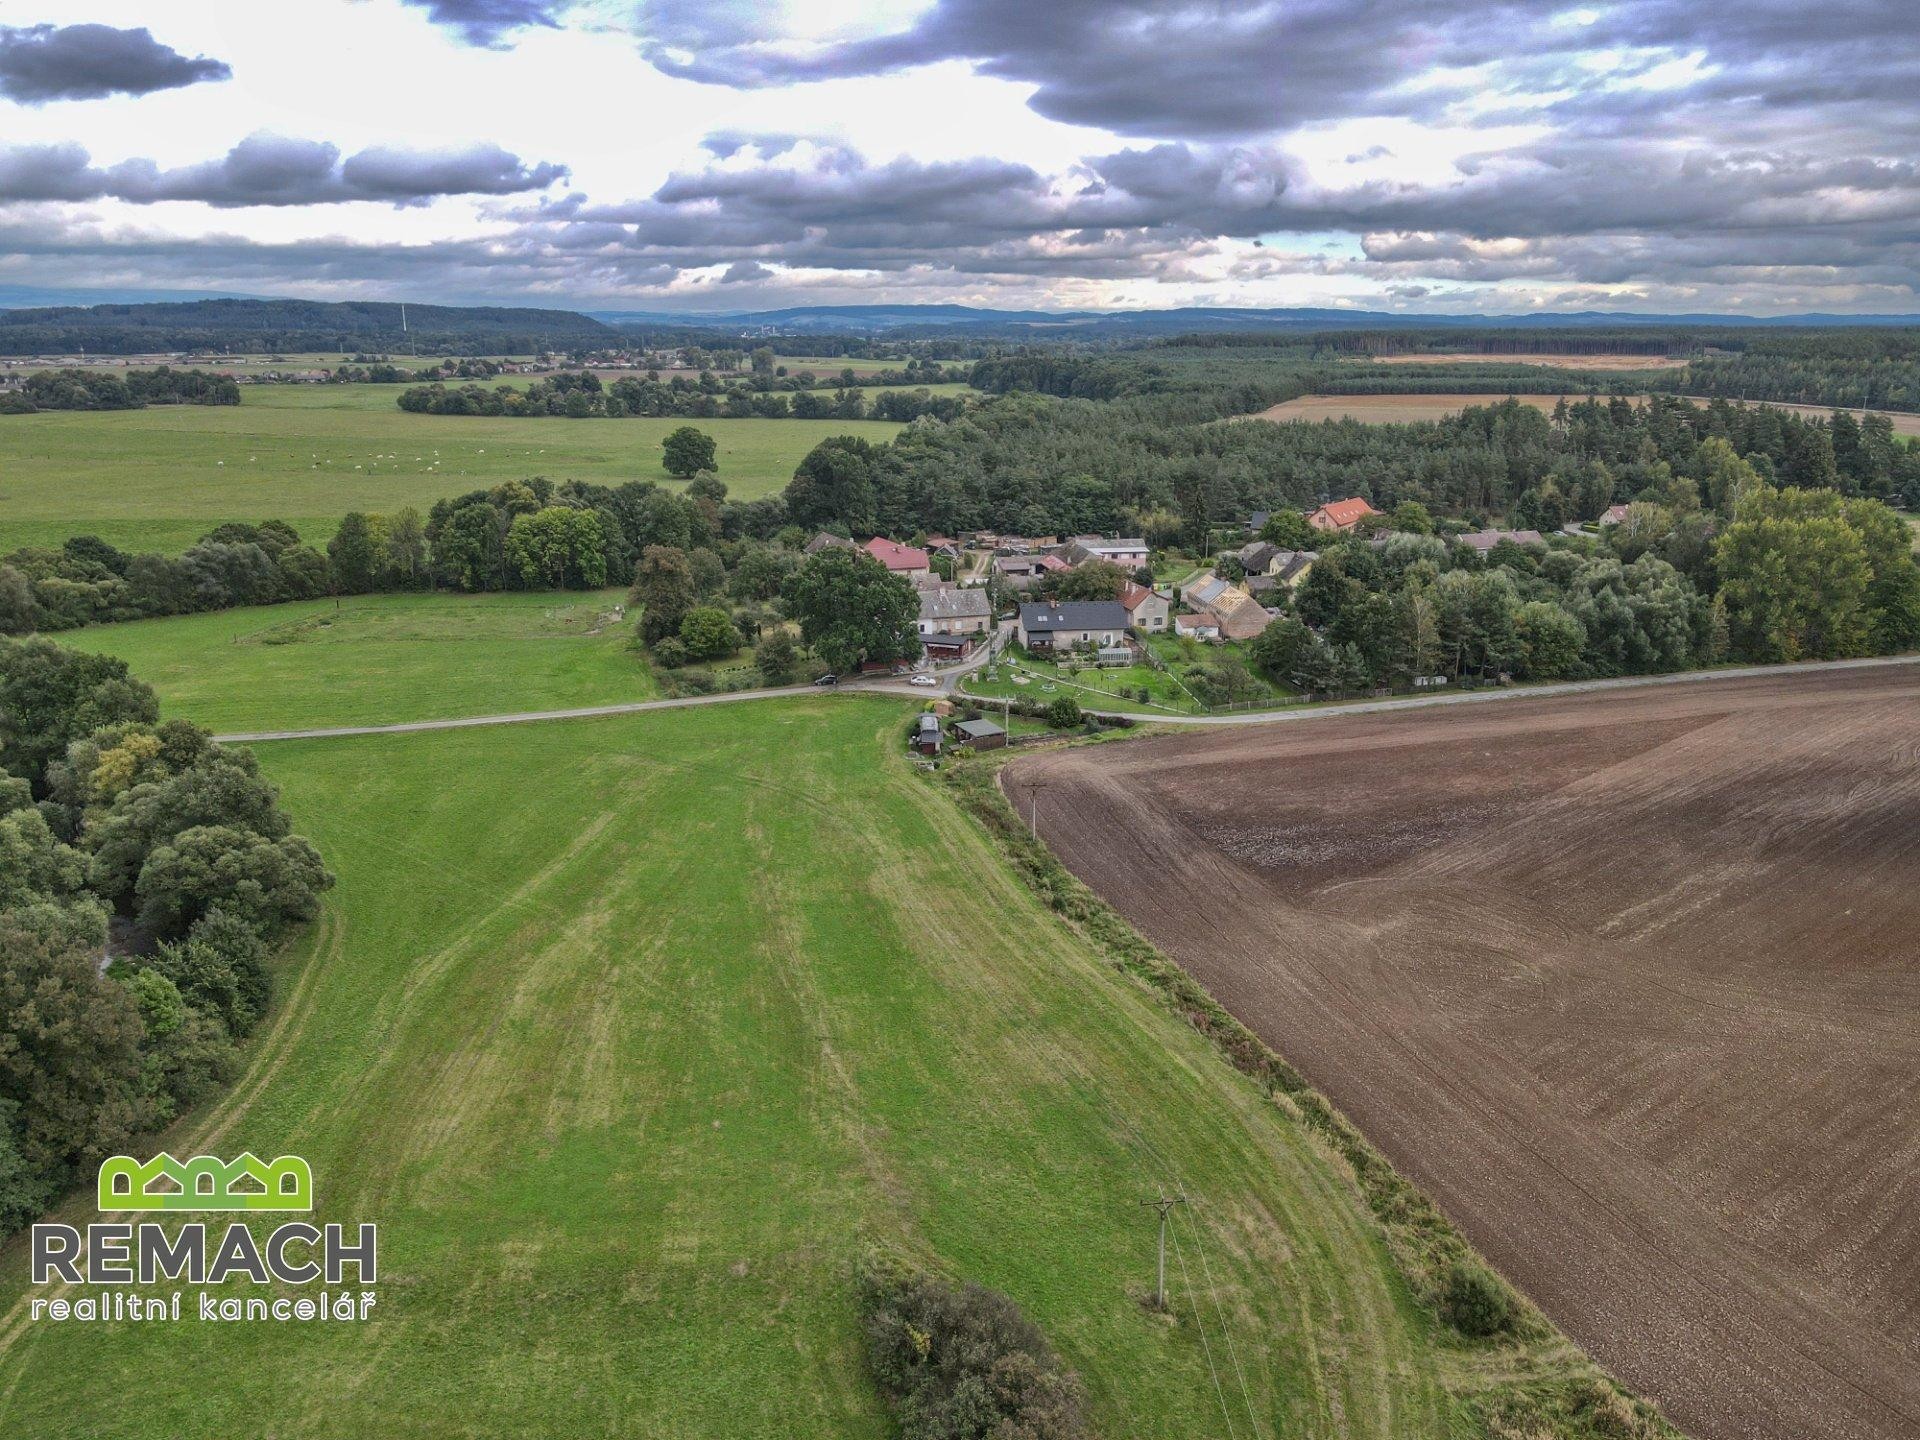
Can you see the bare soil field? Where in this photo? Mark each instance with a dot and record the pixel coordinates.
(1628, 981)
(1545, 362)
(1390, 409)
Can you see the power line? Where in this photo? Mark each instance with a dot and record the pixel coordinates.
(1206, 1348)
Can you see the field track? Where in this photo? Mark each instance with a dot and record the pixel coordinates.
(1626, 980)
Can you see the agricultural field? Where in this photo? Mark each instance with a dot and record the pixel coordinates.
(157, 479)
(1545, 362)
(634, 1034)
(384, 659)
(1398, 409)
(1625, 980)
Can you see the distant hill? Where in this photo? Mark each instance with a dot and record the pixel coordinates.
(921, 320)
(269, 326)
(265, 326)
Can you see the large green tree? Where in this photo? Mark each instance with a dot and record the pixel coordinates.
(1795, 577)
(852, 610)
(687, 451)
(663, 590)
(51, 696)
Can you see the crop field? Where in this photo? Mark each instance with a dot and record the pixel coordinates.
(1398, 409)
(159, 478)
(1626, 980)
(633, 1034)
(1547, 362)
(381, 659)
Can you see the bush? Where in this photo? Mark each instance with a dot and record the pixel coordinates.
(1475, 1302)
(963, 1361)
(671, 652)
(1064, 713)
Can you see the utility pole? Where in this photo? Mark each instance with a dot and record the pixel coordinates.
(1164, 1205)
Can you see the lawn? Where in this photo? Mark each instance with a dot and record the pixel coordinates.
(157, 479)
(632, 1034)
(373, 659)
(1114, 688)
(1103, 689)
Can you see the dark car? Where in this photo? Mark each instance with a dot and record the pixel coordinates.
(828, 680)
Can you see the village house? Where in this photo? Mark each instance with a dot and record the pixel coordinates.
(1483, 541)
(1021, 571)
(824, 541)
(1613, 515)
(1234, 611)
(1127, 554)
(1203, 626)
(1147, 609)
(1341, 515)
(952, 620)
(907, 560)
(1044, 628)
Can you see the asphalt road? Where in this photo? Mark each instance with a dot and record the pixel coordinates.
(950, 676)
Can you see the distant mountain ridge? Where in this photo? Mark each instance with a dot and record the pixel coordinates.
(255, 326)
(269, 325)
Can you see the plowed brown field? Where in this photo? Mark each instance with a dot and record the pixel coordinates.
(1630, 982)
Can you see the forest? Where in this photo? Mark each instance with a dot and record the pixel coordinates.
(265, 327)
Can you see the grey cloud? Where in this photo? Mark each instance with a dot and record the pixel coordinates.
(272, 170)
(39, 63)
(488, 23)
(744, 271)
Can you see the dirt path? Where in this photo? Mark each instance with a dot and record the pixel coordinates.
(1626, 981)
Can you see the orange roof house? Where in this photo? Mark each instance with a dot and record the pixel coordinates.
(900, 559)
(1341, 514)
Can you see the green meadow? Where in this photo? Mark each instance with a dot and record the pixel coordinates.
(376, 659)
(634, 1034)
(158, 479)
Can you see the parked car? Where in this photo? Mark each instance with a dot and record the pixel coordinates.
(923, 680)
(828, 680)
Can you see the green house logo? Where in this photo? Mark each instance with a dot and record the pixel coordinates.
(206, 1182)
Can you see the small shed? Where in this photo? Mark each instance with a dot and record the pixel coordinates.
(926, 735)
(1116, 655)
(980, 735)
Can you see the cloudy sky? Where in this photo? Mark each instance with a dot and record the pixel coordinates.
(1396, 154)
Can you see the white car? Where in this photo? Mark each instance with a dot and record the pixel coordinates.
(923, 680)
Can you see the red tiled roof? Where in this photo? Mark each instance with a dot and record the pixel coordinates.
(1341, 514)
(1131, 594)
(894, 555)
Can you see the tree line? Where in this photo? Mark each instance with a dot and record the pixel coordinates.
(114, 823)
(75, 388)
(581, 395)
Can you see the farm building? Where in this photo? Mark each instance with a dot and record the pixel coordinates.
(926, 735)
(1341, 515)
(980, 735)
(1078, 622)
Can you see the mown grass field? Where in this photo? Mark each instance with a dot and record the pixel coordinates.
(157, 479)
(376, 659)
(633, 1034)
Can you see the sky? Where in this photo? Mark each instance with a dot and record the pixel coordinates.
(1642, 155)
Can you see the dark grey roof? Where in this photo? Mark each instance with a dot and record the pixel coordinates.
(954, 602)
(978, 729)
(1074, 615)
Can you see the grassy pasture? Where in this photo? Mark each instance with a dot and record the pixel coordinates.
(157, 479)
(378, 659)
(632, 1033)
